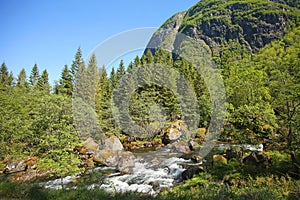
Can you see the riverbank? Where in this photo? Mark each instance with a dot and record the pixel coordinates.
(219, 180)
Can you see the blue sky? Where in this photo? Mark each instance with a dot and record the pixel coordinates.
(48, 32)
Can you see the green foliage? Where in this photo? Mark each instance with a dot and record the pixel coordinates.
(35, 123)
(43, 83)
(283, 76)
(6, 78)
(103, 102)
(34, 75)
(65, 85)
(78, 65)
(22, 79)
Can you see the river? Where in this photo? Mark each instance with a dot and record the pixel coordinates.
(154, 171)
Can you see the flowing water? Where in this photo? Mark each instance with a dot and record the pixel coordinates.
(153, 171)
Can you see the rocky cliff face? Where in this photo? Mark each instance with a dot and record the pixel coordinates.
(166, 35)
(252, 23)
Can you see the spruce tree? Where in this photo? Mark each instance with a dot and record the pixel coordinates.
(77, 66)
(43, 83)
(34, 76)
(6, 78)
(137, 61)
(130, 67)
(103, 101)
(113, 78)
(84, 101)
(150, 58)
(65, 82)
(121, 70)
(21, 81)
(91, 79)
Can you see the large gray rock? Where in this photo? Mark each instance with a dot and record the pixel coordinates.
(113, 143)
(90, 144)
(180, 147)
(126, 162)
(165, 36)
(111, 153)
(122, 160)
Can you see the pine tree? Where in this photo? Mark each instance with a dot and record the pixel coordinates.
(21, 81)
(144, 59)
(130, 67)
(6, 78)
(137, 61)
(10, 80)
(77, 66)
(121, 70)
(91, 79)
(150, 58)
(43, 83)
(34, 76)
(103, 102)
(84, 101)
(113, 78)
(65, 82)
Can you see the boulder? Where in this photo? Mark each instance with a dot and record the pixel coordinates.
(171, 135)
(191, 171)
(113, 143)
(110, 152)
(110, 158)
(90, 145)
(112, 161)
(175, 132)
(180, 147)
(126, 162)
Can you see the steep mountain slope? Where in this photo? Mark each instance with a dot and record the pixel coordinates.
(252, 23)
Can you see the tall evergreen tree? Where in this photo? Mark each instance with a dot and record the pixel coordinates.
(121, 70)
(150, 58)
(65, 82)
(130, 67)
(144, 59)
(6, 78)
(91, 79)
(34, 76)
(77, 66)
(21, 81)
(103, 102)
(43, 83)
(84, 101)
(113, 78)
(137, 61)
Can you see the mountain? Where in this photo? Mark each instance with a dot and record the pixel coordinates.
(252, 24)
